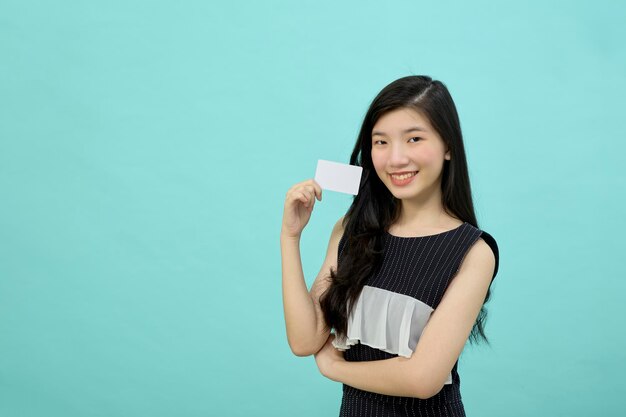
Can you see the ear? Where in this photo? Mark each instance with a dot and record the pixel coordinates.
(447, 155)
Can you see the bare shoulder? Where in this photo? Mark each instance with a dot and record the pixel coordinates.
(479, 259)
(338, 229)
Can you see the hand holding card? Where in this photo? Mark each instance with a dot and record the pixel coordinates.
(335, 176)
(299, 204)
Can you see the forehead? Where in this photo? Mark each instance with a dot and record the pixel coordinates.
(400, 121)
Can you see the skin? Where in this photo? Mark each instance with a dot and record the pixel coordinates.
(424, 373)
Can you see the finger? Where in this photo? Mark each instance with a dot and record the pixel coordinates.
(308, 190)
(312, 195)
(296, 197)
(293, 195)
(297, 185)
(318, 191)
(311, 190)
(317, 188)
(304, 197)
(311, 199)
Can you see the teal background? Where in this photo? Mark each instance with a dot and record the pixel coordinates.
(146, 149)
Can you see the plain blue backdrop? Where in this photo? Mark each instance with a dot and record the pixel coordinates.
(146, 148)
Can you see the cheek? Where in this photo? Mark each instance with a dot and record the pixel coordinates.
(378, 160)
(429, 155)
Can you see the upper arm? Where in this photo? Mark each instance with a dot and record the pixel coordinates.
(450, 324)
(322, 281)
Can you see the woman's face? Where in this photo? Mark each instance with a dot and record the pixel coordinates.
(408, 154)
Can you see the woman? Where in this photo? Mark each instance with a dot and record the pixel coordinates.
(406, 264)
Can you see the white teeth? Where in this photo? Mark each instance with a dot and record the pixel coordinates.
(403, 176)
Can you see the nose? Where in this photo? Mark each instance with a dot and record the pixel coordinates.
(398, 156)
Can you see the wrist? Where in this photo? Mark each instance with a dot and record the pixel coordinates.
(333, 371)
(286, 237)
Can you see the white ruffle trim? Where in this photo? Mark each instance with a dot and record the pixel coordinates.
(386, 320)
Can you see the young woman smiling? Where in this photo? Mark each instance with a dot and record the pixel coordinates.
(407, 270)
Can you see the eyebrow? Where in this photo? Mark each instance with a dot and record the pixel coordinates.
(411, 129)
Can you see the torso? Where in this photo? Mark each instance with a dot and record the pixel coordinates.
(414, 273)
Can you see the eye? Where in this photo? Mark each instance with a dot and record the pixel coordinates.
(417, 137)
(379, 142)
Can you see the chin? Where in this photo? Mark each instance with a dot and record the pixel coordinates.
(403, 194)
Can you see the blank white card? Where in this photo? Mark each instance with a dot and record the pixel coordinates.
(335, 176)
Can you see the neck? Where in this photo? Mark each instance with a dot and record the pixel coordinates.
(423, 212)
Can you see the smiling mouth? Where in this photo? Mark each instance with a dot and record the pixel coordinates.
(403, 176)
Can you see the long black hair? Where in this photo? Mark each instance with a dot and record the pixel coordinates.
(374, 208)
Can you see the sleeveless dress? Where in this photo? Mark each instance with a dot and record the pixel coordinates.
(393, 309)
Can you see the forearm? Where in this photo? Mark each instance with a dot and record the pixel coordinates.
(299, 310)
(388, 376)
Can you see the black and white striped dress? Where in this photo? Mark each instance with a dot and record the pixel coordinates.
(393, 309)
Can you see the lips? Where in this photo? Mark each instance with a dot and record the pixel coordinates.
(403, 175)
(402, 178)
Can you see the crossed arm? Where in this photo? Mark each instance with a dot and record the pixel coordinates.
(424, 373)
